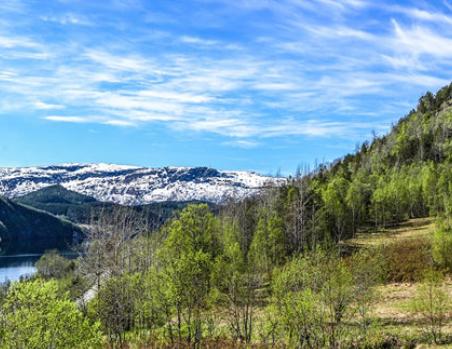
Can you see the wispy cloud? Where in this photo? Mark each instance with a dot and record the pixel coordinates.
(47, 106)
(422, 14)
(70, 119)
(68, 19)
(242, 143)
(419, 40)
(15, 41)
(319, 67)
(197, 41)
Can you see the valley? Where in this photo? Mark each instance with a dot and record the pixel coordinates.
(354, 253)
(216, 174)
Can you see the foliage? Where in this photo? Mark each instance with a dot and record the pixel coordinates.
(115, 307)
(312, 305)
(36, 316)
(187, 256)
(53, 265)
(442, 249)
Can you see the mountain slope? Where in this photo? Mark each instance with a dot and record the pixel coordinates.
(130, 185)
(404, 174)
(19, 222)
(423, 135)
(55, 194)
(82, 209)
(59, 201)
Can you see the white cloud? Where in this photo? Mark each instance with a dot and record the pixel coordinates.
(68, 19)
(242, 143)
(197, 41)
(292, 79)
(14, 41)
(447, 4)
(420, 14)
(47, 106)
(117, 122)
(419, 40)
(173, 96)
(116, 62)
(69, 119)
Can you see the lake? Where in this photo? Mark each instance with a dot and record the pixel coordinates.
(13, 267)
(17, 258)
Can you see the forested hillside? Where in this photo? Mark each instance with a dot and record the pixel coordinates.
(19, 223)
(83, 209)
(404, 174)
(270, 271)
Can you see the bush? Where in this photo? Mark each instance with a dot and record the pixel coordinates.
(53, 265)
(36, 316)
(442, 249)
(407, 260)
(115, 307)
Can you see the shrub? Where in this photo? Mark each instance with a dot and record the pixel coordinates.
(36, 316)
(53, 265)
(442, 249)
(407, 260)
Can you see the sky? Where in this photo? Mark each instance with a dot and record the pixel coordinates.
(262, 85)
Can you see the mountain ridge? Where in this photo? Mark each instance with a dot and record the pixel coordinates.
(133, 185)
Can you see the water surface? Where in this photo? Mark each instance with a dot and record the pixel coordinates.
(17, 258)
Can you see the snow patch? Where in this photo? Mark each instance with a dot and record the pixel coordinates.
(132, 185)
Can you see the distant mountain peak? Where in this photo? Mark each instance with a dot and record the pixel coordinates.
(133, 185)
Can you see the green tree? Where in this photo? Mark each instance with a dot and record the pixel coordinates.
(36, 316)
(153, 305)
(115, 306)
(234, 278)
(356, 201)
(268, 246)
(334, 197)
(187, 255)
(53, 265)
(313, 304)
(442, 249)
(296, 298)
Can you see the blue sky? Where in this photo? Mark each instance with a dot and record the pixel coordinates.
(259, 85)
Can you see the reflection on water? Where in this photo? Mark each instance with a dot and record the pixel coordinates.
(17, 258)
(12, 268)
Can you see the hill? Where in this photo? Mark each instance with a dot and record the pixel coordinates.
(19, 222)
(56, 194)
(59, 201)
(82, 209)
(404, 174)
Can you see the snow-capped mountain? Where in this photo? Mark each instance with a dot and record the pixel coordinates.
(131, 185)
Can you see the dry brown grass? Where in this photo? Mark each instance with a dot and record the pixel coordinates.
(390, 308)
(411, 229)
